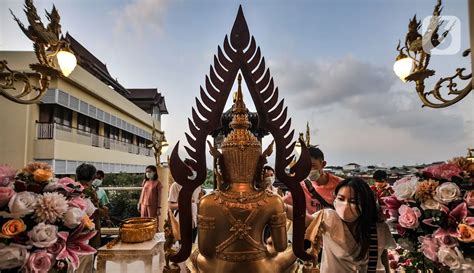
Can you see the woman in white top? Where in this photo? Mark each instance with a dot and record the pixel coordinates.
(346, 231)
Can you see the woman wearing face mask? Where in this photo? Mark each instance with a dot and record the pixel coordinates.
(150, 198)
(353, 237)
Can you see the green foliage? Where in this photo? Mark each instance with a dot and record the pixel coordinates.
(209, 182)
(123, 180)
(123, 204)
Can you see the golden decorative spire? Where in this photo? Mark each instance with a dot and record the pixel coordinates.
(239, 110)
(241, 149)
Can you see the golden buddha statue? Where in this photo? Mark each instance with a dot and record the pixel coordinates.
(231, 220)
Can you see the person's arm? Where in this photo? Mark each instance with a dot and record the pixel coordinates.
(173, 205)
(173, 197)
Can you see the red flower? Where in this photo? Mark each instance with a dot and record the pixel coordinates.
(442, 171)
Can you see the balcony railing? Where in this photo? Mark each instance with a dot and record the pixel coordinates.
(62, 132)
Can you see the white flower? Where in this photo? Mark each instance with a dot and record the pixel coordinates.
(431, 204)
(50, 207)
(13, 255)
(447, 192)
(405, 188)
(73, 217)
(43, 235)
(23, 203)
(90, 207)
(450, 257)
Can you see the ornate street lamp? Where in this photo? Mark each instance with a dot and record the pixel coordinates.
(414, 57)
(52, 51)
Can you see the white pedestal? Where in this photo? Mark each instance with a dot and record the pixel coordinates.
(127, 256)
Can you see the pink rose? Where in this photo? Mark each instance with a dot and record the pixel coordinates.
(57, 247)
(66, 184)
(429, 247)
(443, 171)
(78, 202)
(39, 261)
(6, 194)
(7, 175)
(469, 199)
(409, 217)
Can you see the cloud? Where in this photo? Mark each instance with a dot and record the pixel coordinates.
(141, 16)
(368, 91)
(321, 84)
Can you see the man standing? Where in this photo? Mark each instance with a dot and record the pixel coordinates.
(97, 183)
(85, 173)
(381, 187)
(175, 188)
(319, 187)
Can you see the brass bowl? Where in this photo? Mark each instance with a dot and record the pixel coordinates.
(137, 230)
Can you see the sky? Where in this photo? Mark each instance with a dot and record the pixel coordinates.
(331, 59)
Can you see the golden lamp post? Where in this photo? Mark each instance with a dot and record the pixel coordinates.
(415, 54)
(53, 54)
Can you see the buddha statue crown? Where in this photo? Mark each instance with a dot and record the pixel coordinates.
(240, 149)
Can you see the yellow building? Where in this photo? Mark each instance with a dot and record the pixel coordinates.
(86, 117)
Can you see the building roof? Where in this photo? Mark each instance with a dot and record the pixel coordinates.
(147, 98)
(91, 64)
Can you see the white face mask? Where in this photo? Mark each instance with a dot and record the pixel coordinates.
(269, 180)
(314, 175)
(96, 182)
(150, 175)
(347, 211)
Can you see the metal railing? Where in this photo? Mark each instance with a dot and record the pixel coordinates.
(62, 132)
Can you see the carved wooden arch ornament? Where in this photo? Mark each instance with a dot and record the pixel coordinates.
(240, 52)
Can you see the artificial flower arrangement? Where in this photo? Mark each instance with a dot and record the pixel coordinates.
(45, 225)
(433, 213)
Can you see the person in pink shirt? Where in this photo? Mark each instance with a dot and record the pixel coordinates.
(150, 198)
(319, 187)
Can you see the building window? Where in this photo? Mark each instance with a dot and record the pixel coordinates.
(83, 123)
(94, 126)
(114, 133)
(141, 141)
(127, 137)
(62, 115)
(46, 113)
